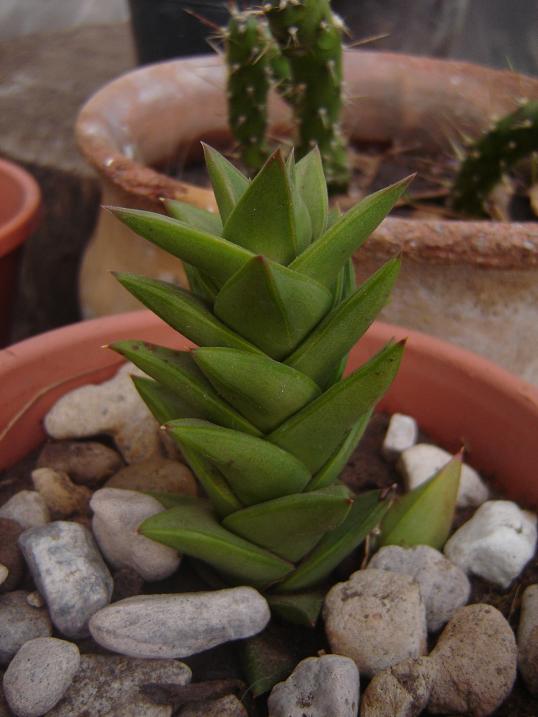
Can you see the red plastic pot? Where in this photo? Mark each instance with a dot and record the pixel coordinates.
(20, 200)
(457, 397)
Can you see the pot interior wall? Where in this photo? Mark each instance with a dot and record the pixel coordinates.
(459, 398)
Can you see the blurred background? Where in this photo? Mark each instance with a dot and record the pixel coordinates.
(55, 53)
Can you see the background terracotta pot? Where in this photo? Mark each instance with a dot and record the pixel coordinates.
(459, 398)
(20, 201)
(468, 282)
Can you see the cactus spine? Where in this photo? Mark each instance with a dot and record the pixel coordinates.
(295, 45)
(512, 138)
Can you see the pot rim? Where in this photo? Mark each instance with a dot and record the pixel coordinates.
(16, 229)
(483, 243)
(441, 385)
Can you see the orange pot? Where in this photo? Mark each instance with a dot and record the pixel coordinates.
(20, 200)
(456, 396)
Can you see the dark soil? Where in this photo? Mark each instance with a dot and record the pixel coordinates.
(272, 655)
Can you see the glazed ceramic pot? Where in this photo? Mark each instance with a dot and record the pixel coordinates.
(20, 201)
(468, 282)
(457, 397)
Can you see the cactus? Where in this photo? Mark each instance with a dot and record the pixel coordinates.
(310, 37)
(300, 53)
(249, 50)
(511, 139)
(260, 410)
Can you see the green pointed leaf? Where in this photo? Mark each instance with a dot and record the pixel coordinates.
(228, 183)
(271, 306)
(211, 254)
(425, 515)
(163, 403)
(337, 462)
(342, 327)
(200, 285)
(183, 312)
(311, 183)
(255, 469)
(222, 498)
(266, 392)
(298, 608)
(177, 371)
(366, 513)
(194, 216)
(263, 220)
(192, 529)
(325, 258)
(316, 431)
(291, 526)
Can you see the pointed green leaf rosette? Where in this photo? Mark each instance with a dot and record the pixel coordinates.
(260, 409)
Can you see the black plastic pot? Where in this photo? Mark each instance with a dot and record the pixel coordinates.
(164, 29)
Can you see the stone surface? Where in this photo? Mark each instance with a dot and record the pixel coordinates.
(117, 515)
(228, 706)
(401, 434)
(423, 460)
(139, 707)
(443, 586)
(62, 497)
(527, 638)
(317, 687)
(20, 622)
(474, 663)
(160, 475)
(27, 508)
(113, 407)
(179, 625)
(10, 554)
(69, 572)
(377, 618)
(39, 675)
(4, 573)
(105, 682)
(88, 462)
(496, 543)
(400, 691)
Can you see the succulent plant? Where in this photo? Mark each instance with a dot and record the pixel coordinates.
(295, 45)
(512, 138)
(260, 409)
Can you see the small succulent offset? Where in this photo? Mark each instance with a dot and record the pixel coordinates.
(295, 45)
(260, 409)
(511, 139)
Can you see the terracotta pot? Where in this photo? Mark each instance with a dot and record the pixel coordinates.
(457, 397)
(468, 282)
(20, 200)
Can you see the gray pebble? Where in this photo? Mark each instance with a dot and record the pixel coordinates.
(69, 573)
(19, 623)
(527, 638)
(376, 618)
(228, 706)
(106, 682)
(179, 625)
(10, 554)
(86, 462)
(39, 675)
(117, 516)
(444, 587)
(27, 508)
(317, 687)
(474, 663)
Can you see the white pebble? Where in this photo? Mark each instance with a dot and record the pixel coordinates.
(496, 543)
(27, 508)
(420, 462)
(114, 408)
(401, 434)
(117, 515)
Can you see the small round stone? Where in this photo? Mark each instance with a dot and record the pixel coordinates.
(88, 462)
(39, 675)
(159, 475)
(27, 508)
(10, 554)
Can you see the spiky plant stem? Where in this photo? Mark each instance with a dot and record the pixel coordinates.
(510, 140)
